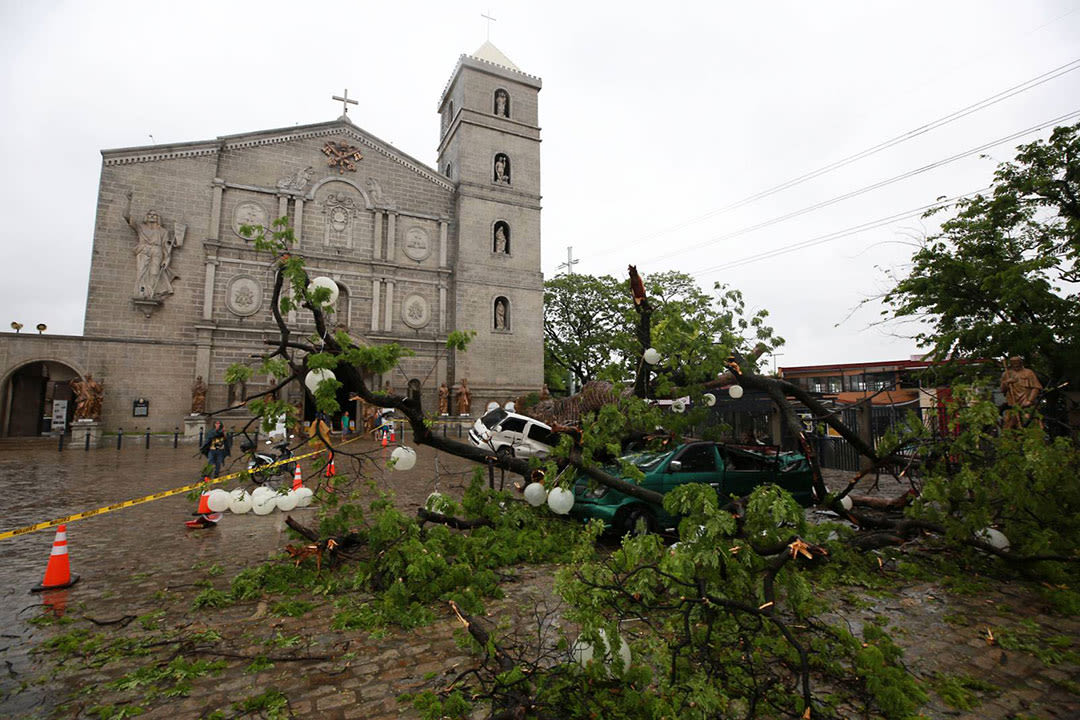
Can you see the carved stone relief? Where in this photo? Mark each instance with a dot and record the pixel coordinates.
(297, 181)
(415, 311)
(417, 244)
(243, 296)
(249, 213)
(377, 195)
(339, 213)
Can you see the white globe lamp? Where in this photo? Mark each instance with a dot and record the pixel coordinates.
(535, 494)
(678, 406)
(218, 500)
(324, 282)
(314, 377)
(560, 500)
(239, 501)
(288, 501)
(709, 399)
(404, 458)
(994, 538)
(264, 504)
(583, 651)
(735, 391)
(304, 496)
(652, 356)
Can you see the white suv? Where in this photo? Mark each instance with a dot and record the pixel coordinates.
(511, 434)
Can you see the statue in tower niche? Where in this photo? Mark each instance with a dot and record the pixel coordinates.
(502, 103)
(153, 254)
(501, 243)
(502, 169)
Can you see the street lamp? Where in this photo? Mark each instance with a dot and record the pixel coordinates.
(16, 326)
(41, 327)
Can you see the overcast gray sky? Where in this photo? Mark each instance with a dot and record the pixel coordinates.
(655, 118)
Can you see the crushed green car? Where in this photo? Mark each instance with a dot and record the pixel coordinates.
(733, 470)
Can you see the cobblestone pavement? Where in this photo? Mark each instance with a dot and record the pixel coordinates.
(142, 562)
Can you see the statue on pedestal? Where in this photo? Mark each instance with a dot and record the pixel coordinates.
(1021, 388)
(444, 400)
(464, 398)
(198, 397)
(88, 397)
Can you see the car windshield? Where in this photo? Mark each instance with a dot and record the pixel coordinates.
(494, 417)
(646, 461)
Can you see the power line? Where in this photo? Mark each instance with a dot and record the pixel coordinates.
(868, 188)
(903, 137)
(836, 235)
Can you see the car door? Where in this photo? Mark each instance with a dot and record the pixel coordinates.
(538, 440)
(512, 432)
(695, 463)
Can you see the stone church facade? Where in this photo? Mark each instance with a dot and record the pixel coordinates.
(175, 292)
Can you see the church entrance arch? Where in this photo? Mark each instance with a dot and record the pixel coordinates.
(29, 395)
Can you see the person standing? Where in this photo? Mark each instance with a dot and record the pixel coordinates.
(345, 424)
(217, 447)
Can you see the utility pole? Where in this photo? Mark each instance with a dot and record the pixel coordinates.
(570, 262)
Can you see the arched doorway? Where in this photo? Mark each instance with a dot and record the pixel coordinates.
(32, 393)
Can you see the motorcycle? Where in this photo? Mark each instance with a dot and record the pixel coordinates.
(262, 464)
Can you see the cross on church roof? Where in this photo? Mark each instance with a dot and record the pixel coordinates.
(345, 101)
(487, 16)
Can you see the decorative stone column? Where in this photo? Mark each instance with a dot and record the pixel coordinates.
(282, 208)
(389, 316)
(375, 305)
(298, 223)
(208, 289)
(376, 246)
(443, 229)
(215, 210)
(391, 237)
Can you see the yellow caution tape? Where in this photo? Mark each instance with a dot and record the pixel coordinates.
(156, 496)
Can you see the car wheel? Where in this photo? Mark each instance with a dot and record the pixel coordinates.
(638, 520)
(505, 452)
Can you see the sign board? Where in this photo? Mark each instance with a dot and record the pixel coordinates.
(140, 407)
(59, 415)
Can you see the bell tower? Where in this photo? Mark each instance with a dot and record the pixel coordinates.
(490, 149)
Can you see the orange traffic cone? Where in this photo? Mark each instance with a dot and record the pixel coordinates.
(298, 479)
(205, 516)
(331, 469)
(204, 504)
(393, 432)
(384, 443)
(58, 572)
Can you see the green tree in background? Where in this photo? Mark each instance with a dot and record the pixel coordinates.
(589, 328)
(1000, 277)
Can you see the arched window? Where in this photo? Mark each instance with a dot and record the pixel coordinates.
(450, 170)
(501, 172)
(502, 103)
(500, 239)
(501, 313)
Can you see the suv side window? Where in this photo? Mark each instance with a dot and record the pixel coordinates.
(540, 433)
(698, 458)
(513, 425)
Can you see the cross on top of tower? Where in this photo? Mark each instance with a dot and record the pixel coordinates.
(345, 102)
(487, 16)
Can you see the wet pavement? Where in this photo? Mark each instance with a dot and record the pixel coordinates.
(141, 563)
